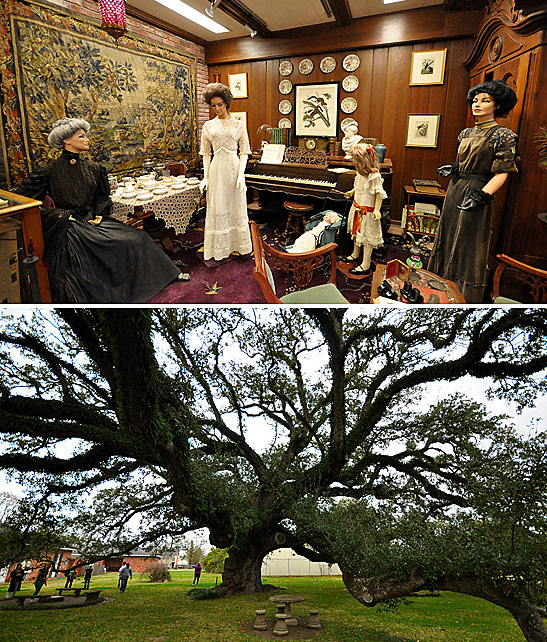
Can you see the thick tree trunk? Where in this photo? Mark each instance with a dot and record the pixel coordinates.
(243, 568)
(373, 590)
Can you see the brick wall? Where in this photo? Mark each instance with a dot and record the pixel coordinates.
(90, 8)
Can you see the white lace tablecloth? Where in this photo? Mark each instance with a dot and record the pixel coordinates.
(175, 208)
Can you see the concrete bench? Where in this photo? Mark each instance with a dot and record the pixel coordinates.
(77, 591)
(91, 596)
(50, 598)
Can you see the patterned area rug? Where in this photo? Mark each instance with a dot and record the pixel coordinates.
(231, 281)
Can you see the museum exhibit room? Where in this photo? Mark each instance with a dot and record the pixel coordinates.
(300, 152)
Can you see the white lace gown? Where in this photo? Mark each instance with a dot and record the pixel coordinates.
(366, 188)
(226, 221)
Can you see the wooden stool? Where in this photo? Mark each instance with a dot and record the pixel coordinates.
(296, 212)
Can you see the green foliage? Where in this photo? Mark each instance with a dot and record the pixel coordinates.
(213, 562)
(157, 572)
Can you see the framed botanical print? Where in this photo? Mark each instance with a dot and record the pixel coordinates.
(316, 109)
(427, 67)
(241, 116)
(238, 85)
(422, 130)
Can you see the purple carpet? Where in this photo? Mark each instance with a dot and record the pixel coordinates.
(231, 281)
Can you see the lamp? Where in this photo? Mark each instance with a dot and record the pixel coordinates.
(210, 10)
(113, 17)
(252, 32)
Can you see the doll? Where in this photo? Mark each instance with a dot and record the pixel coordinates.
(364, 217)
(307, 241)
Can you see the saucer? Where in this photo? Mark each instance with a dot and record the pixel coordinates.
(178, 186)
(193, 181)
(160, 190)
(144, 196)
(129, 194)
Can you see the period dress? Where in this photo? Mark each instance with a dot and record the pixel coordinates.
(362, 226)
(460, 251)
(226, 221)
(106, 263)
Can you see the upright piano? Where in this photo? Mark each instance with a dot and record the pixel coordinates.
(300, 179)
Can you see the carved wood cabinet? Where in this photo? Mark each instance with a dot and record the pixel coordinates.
(511, 45)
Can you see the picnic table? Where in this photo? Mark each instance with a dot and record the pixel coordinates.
(284, 606)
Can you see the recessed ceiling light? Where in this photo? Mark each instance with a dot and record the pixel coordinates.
(193, 14)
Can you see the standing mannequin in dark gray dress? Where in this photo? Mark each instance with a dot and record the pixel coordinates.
(486, 156)
(91, 257)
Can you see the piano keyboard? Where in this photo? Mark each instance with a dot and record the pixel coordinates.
(290, 179)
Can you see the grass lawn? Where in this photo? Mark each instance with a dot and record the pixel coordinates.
(147, 612)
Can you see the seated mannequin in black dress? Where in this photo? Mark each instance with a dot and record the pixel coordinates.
(91, 257)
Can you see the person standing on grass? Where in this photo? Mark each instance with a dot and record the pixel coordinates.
(197, 574)
(16, 577)
(41, 579)
(87, 577)
(125, 573)
(71, 574)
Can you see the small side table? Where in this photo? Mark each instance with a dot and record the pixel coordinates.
(287, 600)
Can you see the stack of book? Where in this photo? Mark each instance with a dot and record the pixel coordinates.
(281, 136)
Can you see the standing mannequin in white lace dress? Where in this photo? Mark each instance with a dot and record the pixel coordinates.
(226, 221)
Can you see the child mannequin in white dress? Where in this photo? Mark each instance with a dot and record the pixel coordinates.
(364, 217)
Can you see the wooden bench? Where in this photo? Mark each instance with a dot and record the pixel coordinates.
(77, 591)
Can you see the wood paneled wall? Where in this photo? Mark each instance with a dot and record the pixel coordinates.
(384, 100)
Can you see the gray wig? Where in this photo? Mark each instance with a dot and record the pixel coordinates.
(65, 128)
(217, 90)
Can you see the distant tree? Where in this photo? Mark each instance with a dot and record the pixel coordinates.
(213, 562)
(193, 552)
(186, 418)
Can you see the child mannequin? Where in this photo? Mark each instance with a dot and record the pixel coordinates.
(364, 217)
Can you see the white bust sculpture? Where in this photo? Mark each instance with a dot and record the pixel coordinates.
(351, 137)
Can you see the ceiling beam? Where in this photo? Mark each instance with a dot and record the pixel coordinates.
(341, 12)
(240, 13)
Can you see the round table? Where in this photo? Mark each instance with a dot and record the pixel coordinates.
(287, 600)
(175, 207)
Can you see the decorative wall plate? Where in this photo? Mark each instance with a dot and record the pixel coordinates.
(285, 123)
(349, 105)
(285, 86)
(350, 83)
(305, 66)
(285, 107)
(285, 67)
(344, 122)
(351, 62)
(327, 65)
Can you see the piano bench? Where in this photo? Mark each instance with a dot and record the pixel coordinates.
(296, 212)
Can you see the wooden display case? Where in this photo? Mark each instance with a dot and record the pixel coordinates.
(27, 212)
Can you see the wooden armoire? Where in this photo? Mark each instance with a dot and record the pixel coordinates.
(511, 45)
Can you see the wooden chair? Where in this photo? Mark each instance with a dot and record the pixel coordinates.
(527, 282)
(177, 169)
(301, 266)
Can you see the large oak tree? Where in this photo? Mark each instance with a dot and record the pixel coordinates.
(185, 418)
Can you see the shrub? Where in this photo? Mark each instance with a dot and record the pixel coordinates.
(203, 594)
(157, 572)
